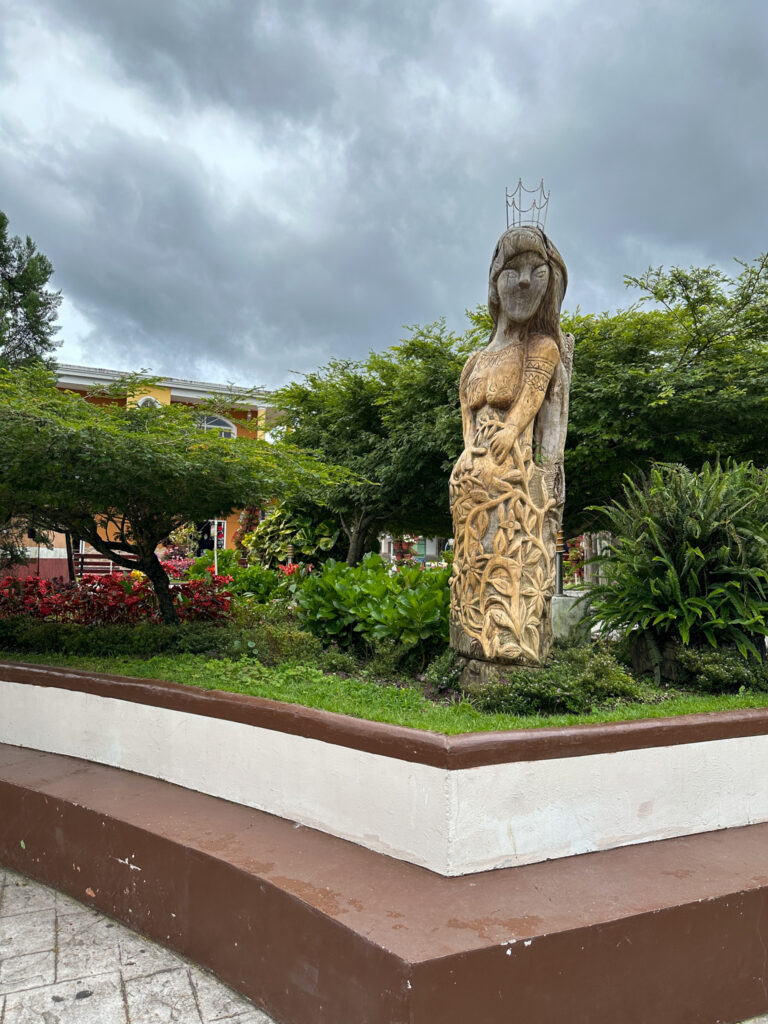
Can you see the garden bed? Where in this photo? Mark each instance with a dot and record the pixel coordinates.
(453, 804)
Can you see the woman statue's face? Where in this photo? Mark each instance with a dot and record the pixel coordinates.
(521, 286)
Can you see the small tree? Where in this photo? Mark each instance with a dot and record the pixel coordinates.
(28, 308)
(124, 478)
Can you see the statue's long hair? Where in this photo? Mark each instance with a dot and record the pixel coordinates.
(516, 240)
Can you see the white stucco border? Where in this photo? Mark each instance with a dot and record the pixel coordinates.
(451, 821)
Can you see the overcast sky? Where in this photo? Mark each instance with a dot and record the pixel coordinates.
(233, 190)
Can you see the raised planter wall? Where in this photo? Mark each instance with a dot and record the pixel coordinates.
(455, 805)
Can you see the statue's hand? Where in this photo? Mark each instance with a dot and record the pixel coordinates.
(503, 442)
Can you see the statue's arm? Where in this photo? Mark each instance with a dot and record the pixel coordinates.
(468, 422)
(540, 361)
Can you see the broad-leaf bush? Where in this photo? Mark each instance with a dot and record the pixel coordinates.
(375, 601)
(689, 561)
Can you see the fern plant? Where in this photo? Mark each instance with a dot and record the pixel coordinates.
(689, 560)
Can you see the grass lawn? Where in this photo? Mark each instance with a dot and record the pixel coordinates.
(361, 698)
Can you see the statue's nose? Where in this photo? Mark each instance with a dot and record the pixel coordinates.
(525, 281)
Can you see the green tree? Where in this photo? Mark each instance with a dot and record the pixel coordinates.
(28, 308)
(124, 478)
(394, 421)
(684, 382)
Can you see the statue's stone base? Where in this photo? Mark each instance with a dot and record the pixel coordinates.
(476, 673)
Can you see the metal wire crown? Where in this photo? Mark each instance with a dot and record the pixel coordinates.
(535, 213)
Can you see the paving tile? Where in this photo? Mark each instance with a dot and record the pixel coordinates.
(34, 932)
(99, 1000)
(30, 970)
(87, 945)
(21, 896)
(140, 957)
(98, 961)
(162, 999)
(217, 1002)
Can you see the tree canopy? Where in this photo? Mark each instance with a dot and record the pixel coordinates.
(394, 420)
(28, 308)
(683, 382)
(123, 478)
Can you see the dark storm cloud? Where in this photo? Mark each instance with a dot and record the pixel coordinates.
(394, 128)
(235, 54)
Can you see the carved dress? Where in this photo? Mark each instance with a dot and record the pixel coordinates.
(505, 507)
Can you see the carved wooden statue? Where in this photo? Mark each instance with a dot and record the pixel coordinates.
(508, 487)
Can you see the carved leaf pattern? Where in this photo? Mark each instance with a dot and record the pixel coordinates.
(503, 570)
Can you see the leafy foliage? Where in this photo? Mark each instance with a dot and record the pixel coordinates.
(311, 536)
(691, 557)
(28, 309)
(682, 382)
(578, 679)
(13, 543)
(345, 604)
(722, 670)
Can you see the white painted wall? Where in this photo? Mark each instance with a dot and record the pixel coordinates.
(452, 822)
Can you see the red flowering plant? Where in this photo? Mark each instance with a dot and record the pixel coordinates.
(117, 599)
(176, 567)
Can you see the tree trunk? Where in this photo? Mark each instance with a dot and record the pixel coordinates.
(357, 532)
(356, 546)
(70, 557)
(159, 579)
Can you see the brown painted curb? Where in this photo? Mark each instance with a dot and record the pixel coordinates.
(320, 931)
(470, 750)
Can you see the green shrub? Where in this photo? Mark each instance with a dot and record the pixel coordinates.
(253, 580)
(373, 602)
(273, 644)
(23, 633)
(247, 612)
(333, 659)
(270, 643)
(443, 672)
(227, 562)
(690, 560)
(309, 534)
(577, 680)
(722, 670)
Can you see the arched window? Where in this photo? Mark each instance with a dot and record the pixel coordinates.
(147, 403)
(224, 427)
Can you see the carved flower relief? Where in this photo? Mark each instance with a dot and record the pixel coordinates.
(539, 588)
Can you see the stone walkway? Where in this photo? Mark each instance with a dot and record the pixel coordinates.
(63, 963)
